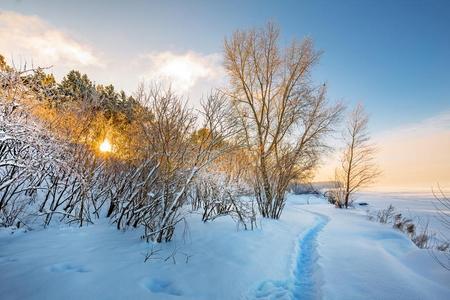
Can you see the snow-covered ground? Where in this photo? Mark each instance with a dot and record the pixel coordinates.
(419, 206)
(314, 251)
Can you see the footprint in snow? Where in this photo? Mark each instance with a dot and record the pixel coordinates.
(271, 290)
(68, 267)
(161, 286)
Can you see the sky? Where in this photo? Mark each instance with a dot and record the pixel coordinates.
(393, 56)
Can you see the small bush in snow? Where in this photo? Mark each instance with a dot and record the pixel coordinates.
(422, 239)
(297, 188)
(216, 195)
(386, 215)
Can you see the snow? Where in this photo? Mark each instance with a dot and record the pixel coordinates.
(362, 260)
(313, 251)
(419, 206)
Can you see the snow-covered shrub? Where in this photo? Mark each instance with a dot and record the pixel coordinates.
(386, 215)
(297, 188)
(330, 197)
(25, 158)
(336, 195)
(404, 224)
(40, 175)
(216, 195)
(422, 239)
(213, 196)
(443, 247)
(133, 195)
(51, 172)
(153, 193)
(77, 189)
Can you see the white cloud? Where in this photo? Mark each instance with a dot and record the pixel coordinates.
(30, 39)
(185, 72)
(26, 37)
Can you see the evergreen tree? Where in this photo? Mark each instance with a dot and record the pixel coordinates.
(76, 87)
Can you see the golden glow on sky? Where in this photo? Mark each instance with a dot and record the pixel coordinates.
(413, 157)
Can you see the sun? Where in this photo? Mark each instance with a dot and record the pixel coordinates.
(105, 146)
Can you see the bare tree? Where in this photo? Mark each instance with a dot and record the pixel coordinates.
(282, 117)
(358, 167)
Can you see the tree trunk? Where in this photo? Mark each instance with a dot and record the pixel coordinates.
(267, 199)
(347, 195)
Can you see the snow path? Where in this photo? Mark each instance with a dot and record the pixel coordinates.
(304, 280)
(306, 286)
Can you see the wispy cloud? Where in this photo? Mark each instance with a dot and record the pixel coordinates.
(432, 125)
(30, 38)
(184, 71)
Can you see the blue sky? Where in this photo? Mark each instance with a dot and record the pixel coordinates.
(394, 56)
